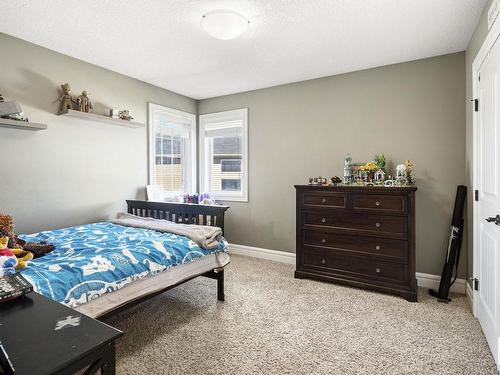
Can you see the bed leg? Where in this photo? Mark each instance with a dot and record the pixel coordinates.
(220, 284)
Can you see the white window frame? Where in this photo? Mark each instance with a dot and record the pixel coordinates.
(185, 117)
(227, 116)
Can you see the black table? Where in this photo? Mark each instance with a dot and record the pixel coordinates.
(35, 347)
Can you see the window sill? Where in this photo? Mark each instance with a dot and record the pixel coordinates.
(225, 198)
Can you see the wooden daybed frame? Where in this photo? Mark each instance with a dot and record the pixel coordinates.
(184, 213)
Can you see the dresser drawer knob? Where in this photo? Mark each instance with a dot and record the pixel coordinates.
(377, 203)
(377, 270)
(323, 261)
(377, 247)
(323, 220)
(378, 225)
(323, 200)
(323, 240)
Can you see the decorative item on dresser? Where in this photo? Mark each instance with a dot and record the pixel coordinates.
(363, 236)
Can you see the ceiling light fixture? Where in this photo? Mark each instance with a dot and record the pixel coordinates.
(224, 24)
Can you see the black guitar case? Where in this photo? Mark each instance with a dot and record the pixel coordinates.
(454, 245)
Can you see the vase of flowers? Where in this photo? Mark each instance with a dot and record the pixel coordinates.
(369, 170)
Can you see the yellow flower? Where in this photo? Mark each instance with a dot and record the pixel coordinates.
(371, 166)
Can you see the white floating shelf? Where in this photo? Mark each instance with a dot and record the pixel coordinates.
(15, 124)
(101, 118)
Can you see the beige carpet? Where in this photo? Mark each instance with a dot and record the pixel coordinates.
(272, 323)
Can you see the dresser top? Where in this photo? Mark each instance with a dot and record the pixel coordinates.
(357, 188)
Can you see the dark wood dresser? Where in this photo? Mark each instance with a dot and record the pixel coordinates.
(359, 236)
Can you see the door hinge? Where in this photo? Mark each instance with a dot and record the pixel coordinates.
(476, 105)
(475, 283)
(476, 195)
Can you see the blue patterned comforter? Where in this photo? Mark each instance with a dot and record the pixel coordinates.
(90, 260)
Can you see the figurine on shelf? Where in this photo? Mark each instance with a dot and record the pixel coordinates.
(125, 115)
(83, 102)
(347, 170)
(66, 99)
(409, 173)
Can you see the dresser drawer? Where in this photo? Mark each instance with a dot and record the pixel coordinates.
(394, 249)
(347, 222)
(380, 203)
(329, 261)
(324, 199)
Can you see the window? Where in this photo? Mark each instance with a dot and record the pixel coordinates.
(224, 155)
(231, 185)
(172, 149)
(229, 165)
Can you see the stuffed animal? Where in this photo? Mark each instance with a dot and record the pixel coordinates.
(37, 249)
(22, 256)
(7, 265)
(13, 247)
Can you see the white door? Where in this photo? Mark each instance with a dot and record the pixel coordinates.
(488, 206)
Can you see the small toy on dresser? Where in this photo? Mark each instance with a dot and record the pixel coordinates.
(318, 181)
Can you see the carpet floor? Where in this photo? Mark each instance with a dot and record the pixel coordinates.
(272, 323)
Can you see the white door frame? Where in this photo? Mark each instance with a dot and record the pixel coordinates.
(488, 43)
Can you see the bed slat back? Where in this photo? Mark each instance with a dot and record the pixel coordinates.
(185, 213)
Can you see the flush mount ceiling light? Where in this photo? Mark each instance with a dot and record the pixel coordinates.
(224, 24)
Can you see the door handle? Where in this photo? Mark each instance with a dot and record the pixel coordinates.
(495, 219)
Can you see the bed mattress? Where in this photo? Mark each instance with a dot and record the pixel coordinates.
(92, 260)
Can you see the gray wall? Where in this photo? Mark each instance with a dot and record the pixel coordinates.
(470, 54)
(79, 171)
(76, 171)
(413, 110)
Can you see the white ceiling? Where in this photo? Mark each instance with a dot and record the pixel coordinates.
(161, 41)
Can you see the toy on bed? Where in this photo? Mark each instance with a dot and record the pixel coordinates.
(8, 260)
(14, 252)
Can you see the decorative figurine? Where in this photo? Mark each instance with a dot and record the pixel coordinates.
(368, 171)
(388, 183)
(317, 181)
(400, 171)
(336, 180)
(66, 99)
(379, 176)
(83, 102)
(401, 175)
(409, 173)
(125, 115)
(347, 170)
(1, 98)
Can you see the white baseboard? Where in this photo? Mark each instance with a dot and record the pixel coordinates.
(257, 252)
(427, 280)
(424, 280)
